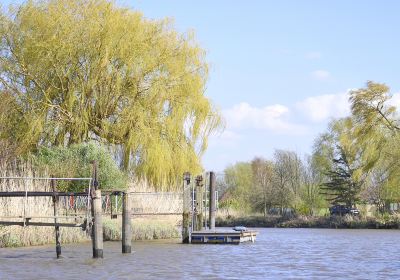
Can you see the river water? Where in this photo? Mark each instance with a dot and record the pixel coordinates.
(277, 254)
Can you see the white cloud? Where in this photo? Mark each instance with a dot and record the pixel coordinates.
(395, 100)
(313, 55)
(229, 135)
(273, 118)
(294, 119)
(323, 107)
(321, 75)
(227, 138)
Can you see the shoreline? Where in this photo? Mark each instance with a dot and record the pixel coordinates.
(338, 222)
(143, 230)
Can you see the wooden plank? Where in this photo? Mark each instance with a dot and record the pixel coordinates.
(156, 214)
(34, 194)
(43, 217)
(39, 224)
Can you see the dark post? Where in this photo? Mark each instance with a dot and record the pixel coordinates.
(126, 225)
(97, 228)
(186, 208)
(199, 203)
(75, 208)
(57, 228)
(212, 200)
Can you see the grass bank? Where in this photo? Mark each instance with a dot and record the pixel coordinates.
(386, 222)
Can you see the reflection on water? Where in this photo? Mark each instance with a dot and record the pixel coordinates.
(277, 254)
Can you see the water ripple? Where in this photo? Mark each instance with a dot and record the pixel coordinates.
(277, 254)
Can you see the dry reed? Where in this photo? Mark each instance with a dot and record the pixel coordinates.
(16, 207)
(145, 227)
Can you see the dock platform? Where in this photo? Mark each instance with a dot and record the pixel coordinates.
(223, 237)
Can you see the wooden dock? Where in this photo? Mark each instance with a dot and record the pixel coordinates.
(223, 237)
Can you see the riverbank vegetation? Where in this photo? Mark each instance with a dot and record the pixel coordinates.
(75, 71)
(354, 163)
(142, 229)
(89, 80)
(304, 221)
(145, 228)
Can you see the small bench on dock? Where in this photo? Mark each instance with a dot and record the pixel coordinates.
(223, 237)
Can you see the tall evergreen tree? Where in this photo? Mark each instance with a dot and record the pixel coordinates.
(341, 187)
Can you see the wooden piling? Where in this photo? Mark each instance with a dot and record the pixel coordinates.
(126, 225)
(186, 208)
(56, 227)
(97, 228)
(212, 200)
(75, 208)
(199, 204)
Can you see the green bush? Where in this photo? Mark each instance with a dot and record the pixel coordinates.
(76, 161)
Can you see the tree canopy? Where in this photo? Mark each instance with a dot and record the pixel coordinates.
(359, 154)
(76, 161)
(80, 70)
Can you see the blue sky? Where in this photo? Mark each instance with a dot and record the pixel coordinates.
(280, 70)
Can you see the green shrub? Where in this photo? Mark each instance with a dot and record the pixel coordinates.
(76, 161)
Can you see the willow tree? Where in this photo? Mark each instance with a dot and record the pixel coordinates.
(375, 122)
(377, 134)
(80, 70)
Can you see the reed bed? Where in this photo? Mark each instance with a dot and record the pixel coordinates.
(144, 227)
(11, 236)
(146, 199)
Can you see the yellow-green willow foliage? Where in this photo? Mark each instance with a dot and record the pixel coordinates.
(374, 123)
(87, 69)
(377, 134)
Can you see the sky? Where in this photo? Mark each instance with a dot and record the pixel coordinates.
(281, 70)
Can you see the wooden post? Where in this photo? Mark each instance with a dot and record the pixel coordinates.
(126, 225)
(199, 203)
(75, 209)
(186, 208)
(97, 228)
(56, 227)
(212, 200)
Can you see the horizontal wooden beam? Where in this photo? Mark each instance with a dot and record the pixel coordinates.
(40, 224)
(44, 178)
(155, 214)
(36, 194)
(43, 217)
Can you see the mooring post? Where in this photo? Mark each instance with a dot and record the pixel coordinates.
(97, 228)
(56, 227)
(199, 203)
(75, 208)
(126, 225)
(212, 200)
(186, 208)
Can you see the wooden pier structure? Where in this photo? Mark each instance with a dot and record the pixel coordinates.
(199, 229)
(223, 237)
(199, 205)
